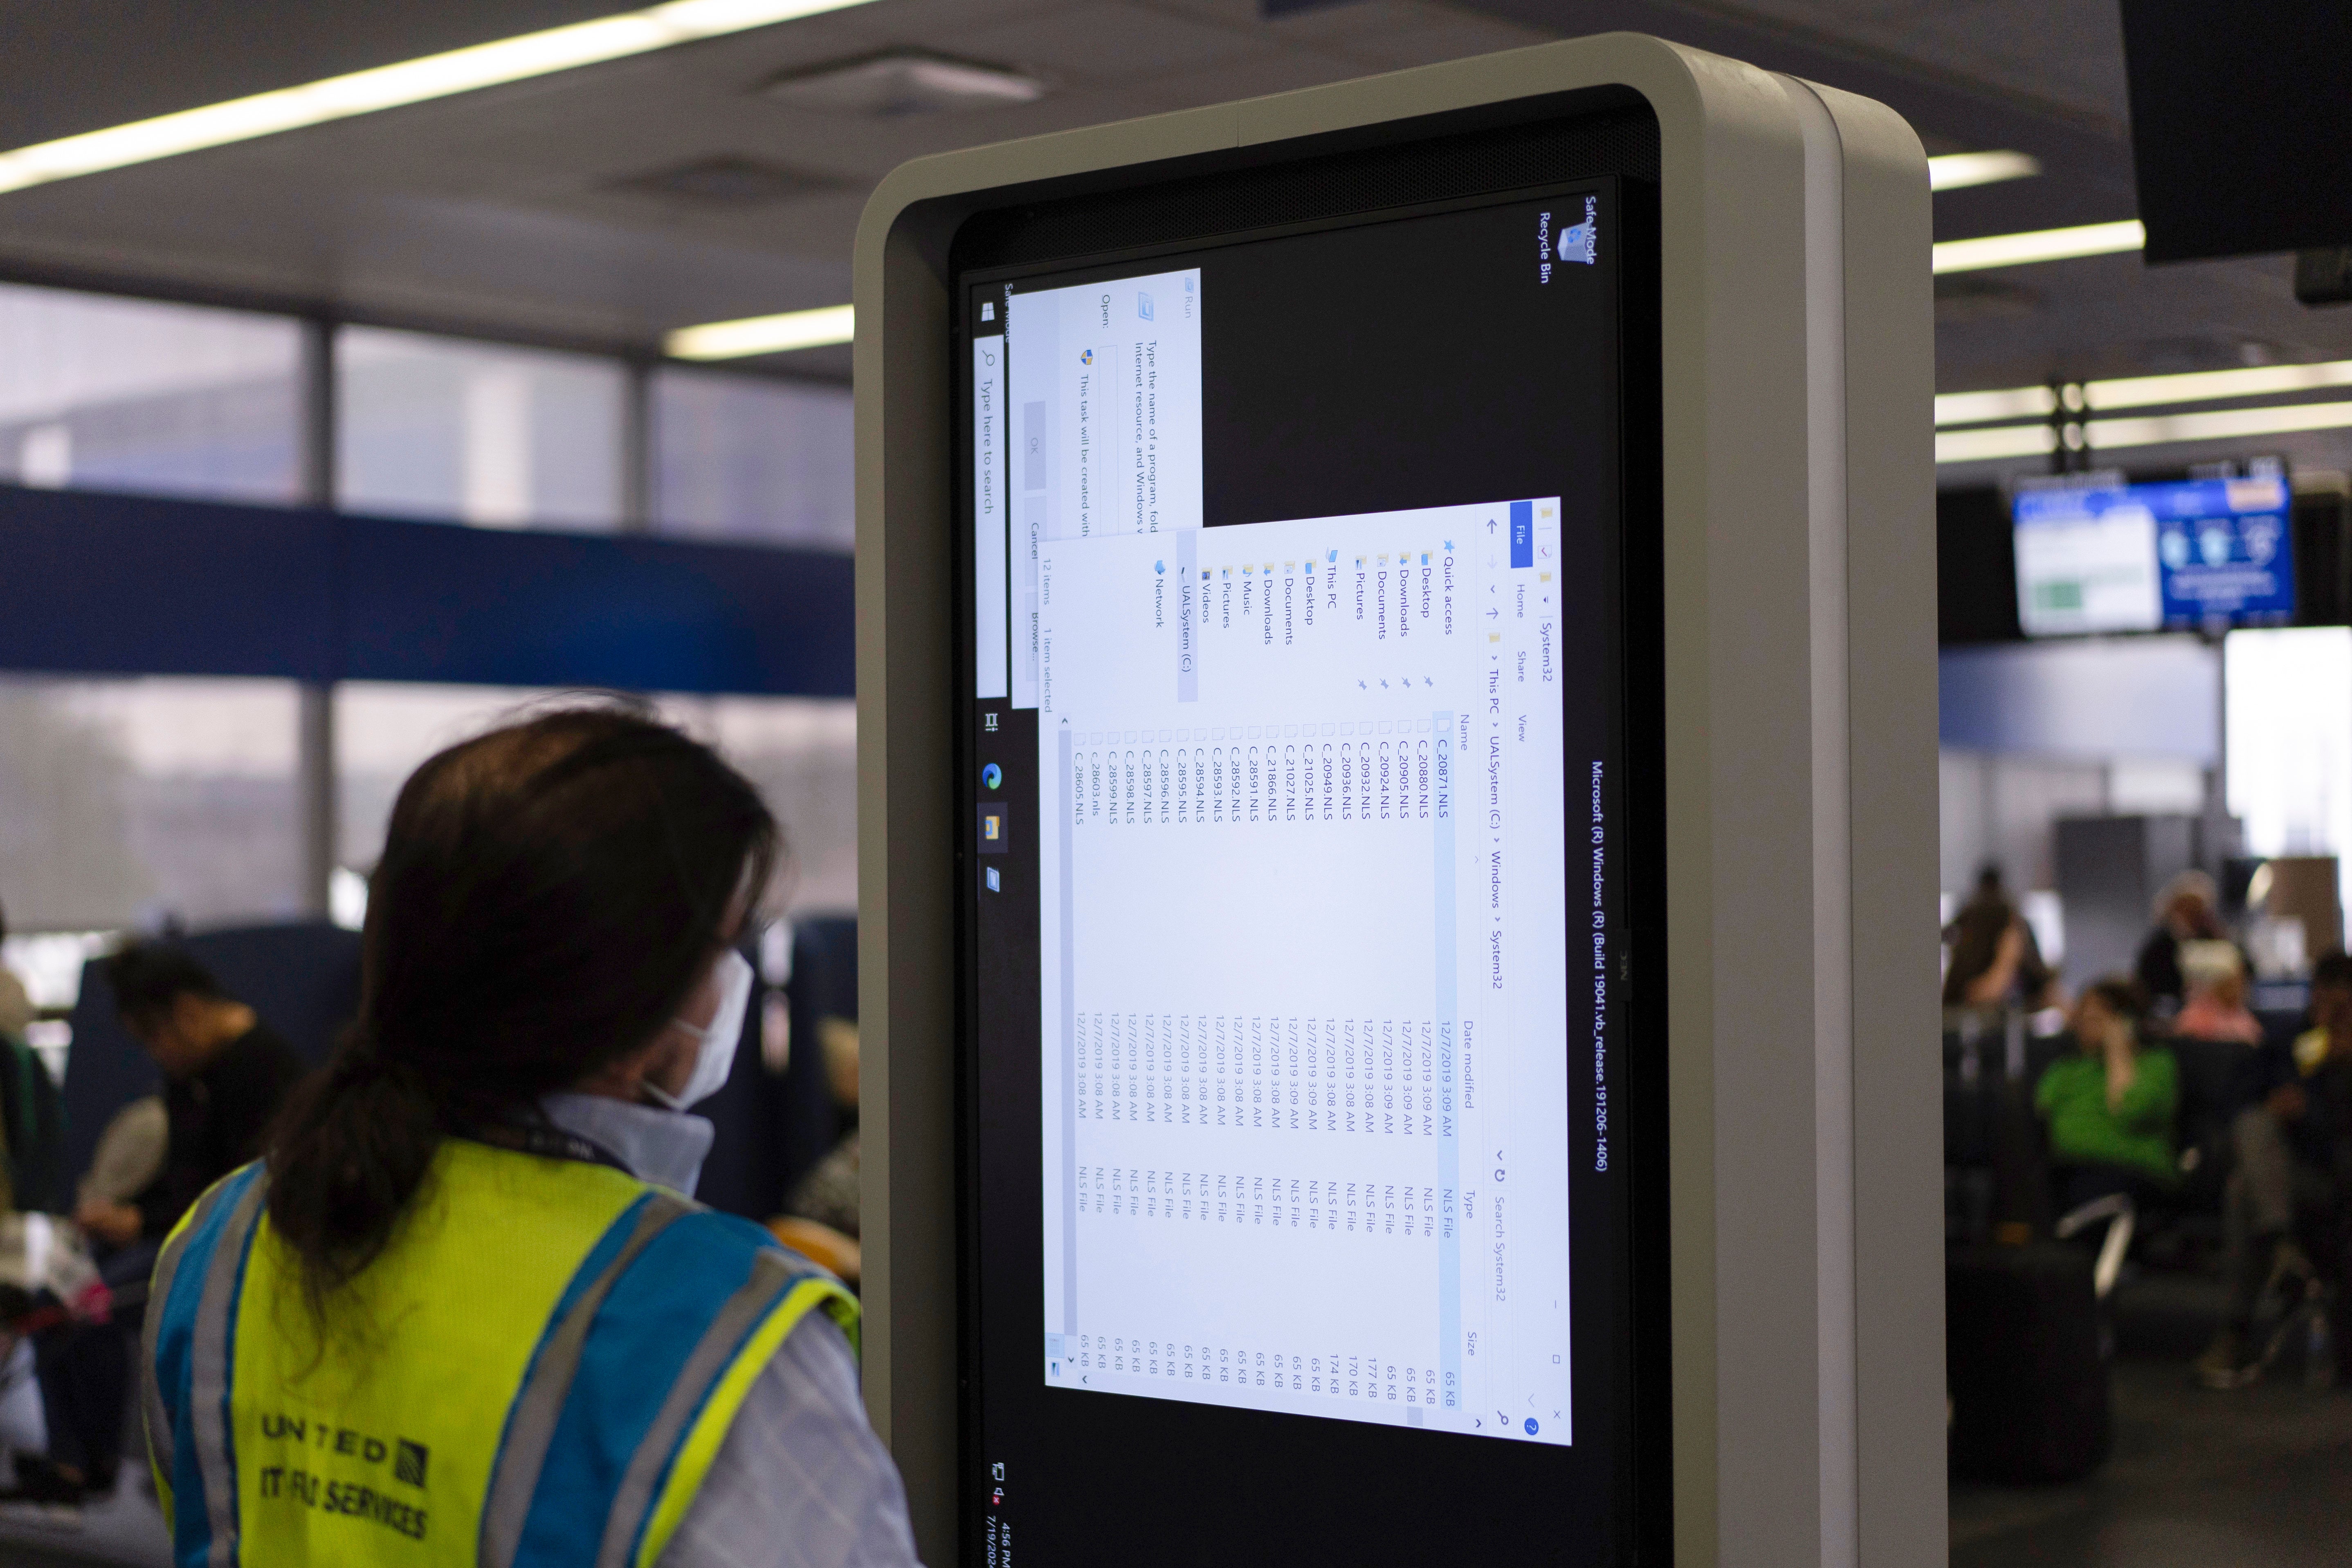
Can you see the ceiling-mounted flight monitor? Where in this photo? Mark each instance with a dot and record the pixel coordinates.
(2190, 554)
(1305, 817)
(2237, 128)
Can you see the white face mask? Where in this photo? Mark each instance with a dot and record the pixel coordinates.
(715, 1041)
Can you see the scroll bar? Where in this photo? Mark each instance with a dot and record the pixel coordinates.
(1069, 1045)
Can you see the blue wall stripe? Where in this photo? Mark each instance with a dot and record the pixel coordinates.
(112, 585)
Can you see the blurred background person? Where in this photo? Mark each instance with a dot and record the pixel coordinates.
(227, 1074)
(2213, 976)
(2290, 1193)
(15, 1008)
(2109, 1106)
(1996, 961)
(31, 1116)
(821, 1213)
(2188, 910)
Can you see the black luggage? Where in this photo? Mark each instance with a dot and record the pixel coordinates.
(2028, 1382)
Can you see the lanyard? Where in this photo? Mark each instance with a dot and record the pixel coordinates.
(553, 1143)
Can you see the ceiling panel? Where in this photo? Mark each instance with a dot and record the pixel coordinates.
(499, 211)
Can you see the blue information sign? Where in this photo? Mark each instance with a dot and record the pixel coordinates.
(2122, 558)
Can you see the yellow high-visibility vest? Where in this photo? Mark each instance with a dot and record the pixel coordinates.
(536, 1370)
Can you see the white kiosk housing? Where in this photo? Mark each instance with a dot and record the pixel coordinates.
(1805, 1390)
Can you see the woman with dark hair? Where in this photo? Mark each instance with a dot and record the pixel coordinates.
(465, 1312)
(2110, 1106)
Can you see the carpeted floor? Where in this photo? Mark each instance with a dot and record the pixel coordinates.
(2261, 1477)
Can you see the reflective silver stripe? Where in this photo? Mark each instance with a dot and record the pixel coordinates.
(770, 1273)
(150, 1331)
(209, 1358)
(540, 1402)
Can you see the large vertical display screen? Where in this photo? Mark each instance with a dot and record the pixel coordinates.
(1298, 914)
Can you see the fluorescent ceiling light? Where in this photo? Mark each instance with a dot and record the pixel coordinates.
(2038, 244)
(393, 86)
(763, 334)
(2104, 434)
(2143, 390)
(2002, 441)
(1957, 171)
(2211, 385)
(2009, 403)
(2218, 424)
(903, 82)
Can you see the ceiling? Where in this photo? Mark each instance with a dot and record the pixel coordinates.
(511, 211)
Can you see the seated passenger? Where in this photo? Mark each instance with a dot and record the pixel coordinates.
(2215, 976)
(2287, 1198)
(225, 1075)
(2110, 1107)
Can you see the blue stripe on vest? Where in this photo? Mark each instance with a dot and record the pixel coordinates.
(638, 1347)
(599, 1258)
(758, 1239)
(176, 1369)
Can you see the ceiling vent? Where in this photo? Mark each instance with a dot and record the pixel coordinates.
(903, 82)
(727, 182)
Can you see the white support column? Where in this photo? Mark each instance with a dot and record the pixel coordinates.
(314, 752)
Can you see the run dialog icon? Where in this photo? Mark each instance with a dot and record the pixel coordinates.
(1143, 306)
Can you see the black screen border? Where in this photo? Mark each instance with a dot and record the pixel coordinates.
(1643, 1440)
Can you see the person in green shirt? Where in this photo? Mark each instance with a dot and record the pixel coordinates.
(2110, 1108)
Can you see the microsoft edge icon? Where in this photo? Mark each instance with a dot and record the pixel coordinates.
(991, 775)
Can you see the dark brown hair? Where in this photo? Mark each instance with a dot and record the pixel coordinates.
(147, 977)
(2122, 995)
(548, 894)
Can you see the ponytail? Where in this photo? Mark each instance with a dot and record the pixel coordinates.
(353, 1148)
(548, 896)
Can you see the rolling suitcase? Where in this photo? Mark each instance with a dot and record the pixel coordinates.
(2022, 1361)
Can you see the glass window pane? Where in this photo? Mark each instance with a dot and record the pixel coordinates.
(99, 392)
(801, 753)
(139, 801)
(736, 458)
(477, 433)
